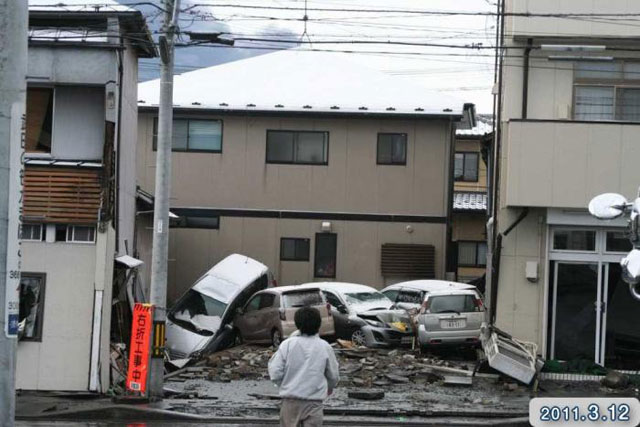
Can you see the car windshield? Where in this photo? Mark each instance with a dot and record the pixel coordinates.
(452, 304)
(198, 313)
(361, 301)
(301, 299)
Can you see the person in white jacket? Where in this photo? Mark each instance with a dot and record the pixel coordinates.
(306, 370)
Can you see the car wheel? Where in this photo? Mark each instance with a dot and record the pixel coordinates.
(276, 338)
(358, 338)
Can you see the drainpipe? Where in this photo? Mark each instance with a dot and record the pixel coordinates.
(118, 133)
(525, 78)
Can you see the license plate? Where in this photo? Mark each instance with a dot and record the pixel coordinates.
(452, 324)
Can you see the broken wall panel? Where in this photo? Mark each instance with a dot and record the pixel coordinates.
(62, 195)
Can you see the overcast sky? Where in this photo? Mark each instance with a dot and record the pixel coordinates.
(464, 73)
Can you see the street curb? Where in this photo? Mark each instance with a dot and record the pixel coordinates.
(368, 417)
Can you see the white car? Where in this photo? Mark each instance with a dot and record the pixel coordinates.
(199, 321)
(450, 317)
(411, 295)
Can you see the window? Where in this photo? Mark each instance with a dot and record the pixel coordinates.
(294, 249)
(266, 301)
(193, 135)
(212, 222)
(325, 257)
(412, 297)
(253, 304)
(31, 306)
(302, 299)
(31, 232)
(39, 120)
(333, 300)
(392, 294)
(618, 241)
(607, 91)
(392, 148)
(472, 254)
(297, 147)
(574, 240)
(453, 304)
(466, 167)
(81, 234)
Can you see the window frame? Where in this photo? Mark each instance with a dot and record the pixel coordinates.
(295, 142)
(182, 222)
(296, 240)
(41, 301)
(42, 232)
(80, 242)
(616, 84)
(188, 150)
(476, 243)
(315, 257)
(406, 149)
(464, 162)
(552, 247)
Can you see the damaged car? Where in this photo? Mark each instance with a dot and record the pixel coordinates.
(410, 295)
(199, 322)
(268, 317)
(365, 316)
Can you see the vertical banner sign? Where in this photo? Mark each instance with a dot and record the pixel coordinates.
(12, 291)
(139, 349)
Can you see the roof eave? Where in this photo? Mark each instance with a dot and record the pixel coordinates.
(309, 113)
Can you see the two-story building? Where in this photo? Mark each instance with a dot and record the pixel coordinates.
(318, 167)
(570, 130)
(472, 149)
(79, 187)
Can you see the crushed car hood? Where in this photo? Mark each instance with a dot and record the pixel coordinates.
(395, 319)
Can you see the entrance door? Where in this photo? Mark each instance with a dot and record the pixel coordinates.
(575, 323)
(621, 314)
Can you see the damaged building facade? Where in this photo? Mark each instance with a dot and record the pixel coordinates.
(569, 131)
(79, 188)
(315, 166)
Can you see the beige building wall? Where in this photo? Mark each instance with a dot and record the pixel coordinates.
(239, 177)
(61, 360)
(352, 182)
(548, 160)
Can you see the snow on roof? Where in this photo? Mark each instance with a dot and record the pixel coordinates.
(430, 285)
(484, 125)
(78, 6)
(469, 201)
(300, 81)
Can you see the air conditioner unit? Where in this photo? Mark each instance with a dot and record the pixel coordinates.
(508, 356)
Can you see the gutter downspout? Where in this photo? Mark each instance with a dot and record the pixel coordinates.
(449, 232)
(525, 78)
(118, 134)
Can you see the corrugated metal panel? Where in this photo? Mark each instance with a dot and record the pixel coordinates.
(62, 195)
(407, 260)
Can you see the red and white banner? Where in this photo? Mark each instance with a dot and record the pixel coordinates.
(139, 348)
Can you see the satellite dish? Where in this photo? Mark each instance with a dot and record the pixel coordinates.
(631, 271)
(607, 206)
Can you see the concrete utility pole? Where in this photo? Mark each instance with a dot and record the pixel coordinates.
(159, 259)
(14, 17)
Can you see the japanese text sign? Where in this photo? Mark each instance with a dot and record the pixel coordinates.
(139, 349)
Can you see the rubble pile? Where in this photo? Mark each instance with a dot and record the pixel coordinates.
(360, 367)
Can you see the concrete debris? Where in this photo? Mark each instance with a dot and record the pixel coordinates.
(615, 380)
(360, 367)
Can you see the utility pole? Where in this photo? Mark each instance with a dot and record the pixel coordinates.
(14, 16)
(159, 259)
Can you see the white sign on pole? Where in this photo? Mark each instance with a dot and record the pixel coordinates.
(16, 151)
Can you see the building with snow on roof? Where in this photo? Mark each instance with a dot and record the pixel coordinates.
(318, 167)
(78, 204)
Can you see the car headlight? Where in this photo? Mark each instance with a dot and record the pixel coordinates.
(374, 323)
